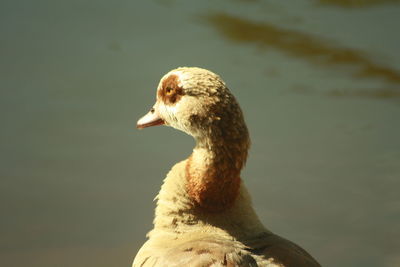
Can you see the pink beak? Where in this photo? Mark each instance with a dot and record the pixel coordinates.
(150, 119)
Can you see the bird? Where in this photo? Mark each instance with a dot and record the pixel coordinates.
(204, 214)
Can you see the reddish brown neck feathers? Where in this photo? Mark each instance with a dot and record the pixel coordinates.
(213, 177)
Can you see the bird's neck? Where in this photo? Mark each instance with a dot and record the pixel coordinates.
(205, 190)
(213, 171)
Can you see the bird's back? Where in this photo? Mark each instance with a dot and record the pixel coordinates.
(266, 250)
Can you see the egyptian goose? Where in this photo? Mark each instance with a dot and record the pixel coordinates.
(204, 215)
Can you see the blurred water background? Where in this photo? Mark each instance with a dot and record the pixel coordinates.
(318, 81)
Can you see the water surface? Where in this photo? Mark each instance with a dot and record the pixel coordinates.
(319, 83)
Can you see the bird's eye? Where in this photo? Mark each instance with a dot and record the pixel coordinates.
(169, 90)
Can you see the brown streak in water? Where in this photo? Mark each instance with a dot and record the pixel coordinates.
(378, 93)
(356, 3)
(299, 44)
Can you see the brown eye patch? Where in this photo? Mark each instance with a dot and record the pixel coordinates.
(170, 92)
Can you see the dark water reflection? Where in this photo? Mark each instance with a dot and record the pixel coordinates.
(378, 93)
(319, 86)
(357, 3)
(300, 44)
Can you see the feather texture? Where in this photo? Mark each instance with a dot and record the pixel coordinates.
(204, 215)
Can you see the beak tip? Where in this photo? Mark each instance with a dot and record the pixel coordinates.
(149, 120)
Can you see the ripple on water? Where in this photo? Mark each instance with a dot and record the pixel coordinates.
(302, 45)
(312, 49)
(356, 3)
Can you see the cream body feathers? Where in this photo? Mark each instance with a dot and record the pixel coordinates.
(204, 215)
